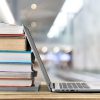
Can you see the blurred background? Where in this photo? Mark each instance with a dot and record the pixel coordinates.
(66, 33)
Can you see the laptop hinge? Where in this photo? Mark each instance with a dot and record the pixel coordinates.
(50, 86)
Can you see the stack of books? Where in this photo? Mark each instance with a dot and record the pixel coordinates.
(16, 59)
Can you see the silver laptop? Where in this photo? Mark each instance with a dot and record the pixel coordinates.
(73, 86)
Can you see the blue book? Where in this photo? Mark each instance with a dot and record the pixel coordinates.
(16, 57)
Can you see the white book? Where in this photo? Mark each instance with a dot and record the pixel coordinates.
(17, 75)
(16, 56)
(15, 83)
(16, 67)
(10, 29)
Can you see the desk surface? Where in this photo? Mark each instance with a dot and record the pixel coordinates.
(44, 94)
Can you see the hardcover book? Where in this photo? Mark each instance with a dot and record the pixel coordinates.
(17, 75)
(16, 56)
(16, 67)
(16, 82)
(33, 88)
(13, 43)
(10, 29)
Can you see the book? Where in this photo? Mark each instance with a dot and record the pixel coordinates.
(12, 35)
(10, 29)
(33, 88)
(16, 67)
(16, 56)
(13, 43)
(17, 75)
(16, 82)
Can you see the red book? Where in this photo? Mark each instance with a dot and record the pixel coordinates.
(12, 35)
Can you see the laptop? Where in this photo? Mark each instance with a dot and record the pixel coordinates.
(62, 87)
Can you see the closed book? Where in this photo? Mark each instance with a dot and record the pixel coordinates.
(15, 83)
(34, 88)
(16, 67)
(12, 35)
(10, 29)
(17, 75)
(13, 43)
(16, 57)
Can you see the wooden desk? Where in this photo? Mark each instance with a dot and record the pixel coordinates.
(44, 94)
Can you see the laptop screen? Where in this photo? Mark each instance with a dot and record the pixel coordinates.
(36, 53)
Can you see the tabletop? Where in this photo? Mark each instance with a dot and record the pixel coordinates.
(45, 94)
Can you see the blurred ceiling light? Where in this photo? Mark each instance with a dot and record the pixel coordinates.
(44, 49)
(6, 13)
(34, 6)
(33, 24)
(56, 49)
(68, 11)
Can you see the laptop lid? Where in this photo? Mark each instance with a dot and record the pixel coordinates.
(36, 53)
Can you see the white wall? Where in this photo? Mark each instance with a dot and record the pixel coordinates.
(86, 53)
